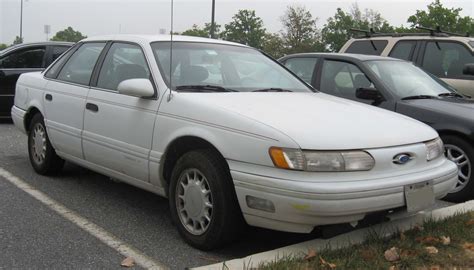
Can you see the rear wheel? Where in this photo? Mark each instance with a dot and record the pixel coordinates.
(461, 153)
(43, 158)
(202, 200)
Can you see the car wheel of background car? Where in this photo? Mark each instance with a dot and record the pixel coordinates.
(202, 200)
(43, 157)
(460, 152)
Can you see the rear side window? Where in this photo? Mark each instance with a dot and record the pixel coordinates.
(31, 57)
(403, 50)
(374, 47)
(446, 59)
(302, 67)
(123, 62)
(54, 70)
(79, 67)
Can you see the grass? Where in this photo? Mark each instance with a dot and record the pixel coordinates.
(411, 247)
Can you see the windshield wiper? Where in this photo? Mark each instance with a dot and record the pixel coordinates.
(419, 97)
(272, 90)
(203, 88)
(451, 94)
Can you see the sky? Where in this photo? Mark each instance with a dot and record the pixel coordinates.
(98, 17)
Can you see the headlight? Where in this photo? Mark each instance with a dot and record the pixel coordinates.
(434, 149)
(321, 161)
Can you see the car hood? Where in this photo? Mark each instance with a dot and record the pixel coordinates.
(456, 107)
(320, 121)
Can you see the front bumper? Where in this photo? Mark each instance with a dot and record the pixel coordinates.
(300, 206)
(18, 117)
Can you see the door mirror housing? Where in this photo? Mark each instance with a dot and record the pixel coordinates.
(468, 69)
(137, 88)
(368, 94)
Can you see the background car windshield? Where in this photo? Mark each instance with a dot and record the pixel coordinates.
(404, 79)
(232, 67)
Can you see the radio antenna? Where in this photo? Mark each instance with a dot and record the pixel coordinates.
(171, 52)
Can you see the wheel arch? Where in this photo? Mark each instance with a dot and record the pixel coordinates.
(32, 111)
(178, 147)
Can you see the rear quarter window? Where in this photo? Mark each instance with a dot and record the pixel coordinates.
(374, 47)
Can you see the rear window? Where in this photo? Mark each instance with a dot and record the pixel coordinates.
(374, 47)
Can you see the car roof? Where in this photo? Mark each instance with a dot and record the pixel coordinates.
(347, 56)
(44, 43)
(142, 39)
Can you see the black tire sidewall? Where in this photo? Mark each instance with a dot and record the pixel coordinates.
(468, 191)
(224, 220)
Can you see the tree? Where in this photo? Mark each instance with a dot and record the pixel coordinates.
(3, 46)
(68, 34)
(18, 40)
(245, 28)
(337, 29)
(299, 30)
(197, 31)
(273, 45)
(448, 19)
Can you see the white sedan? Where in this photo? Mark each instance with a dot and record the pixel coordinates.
(227, 134)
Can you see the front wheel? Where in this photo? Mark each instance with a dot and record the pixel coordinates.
(202, 200)
(461, 153)
(43, 158)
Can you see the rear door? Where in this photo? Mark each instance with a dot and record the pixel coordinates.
(65, 97)
(118, 129)
(12, 65)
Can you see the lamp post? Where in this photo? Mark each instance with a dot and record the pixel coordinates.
(21, 21)
(213, 23)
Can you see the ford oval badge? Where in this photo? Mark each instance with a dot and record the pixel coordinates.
(401, 159)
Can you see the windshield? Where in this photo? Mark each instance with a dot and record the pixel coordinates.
(226, 66)
(405, 79)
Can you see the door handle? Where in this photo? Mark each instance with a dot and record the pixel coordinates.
(48, 97)
(92, 107)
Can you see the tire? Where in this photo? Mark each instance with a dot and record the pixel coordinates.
(224, 220)
(455, 147)
(42, 155)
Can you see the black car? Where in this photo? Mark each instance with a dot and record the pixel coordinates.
(23, 58)
(402, 87)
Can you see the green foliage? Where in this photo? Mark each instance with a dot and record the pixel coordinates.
(245, 28)
(273, 45)
(197, 31)
(3, 46)
(18, 40)
(448, 19)
(337, 29)
(299, 30)
(68, 34)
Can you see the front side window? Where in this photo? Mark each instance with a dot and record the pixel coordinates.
(446, 59)
(403, 50)
(24, 58)
(404, 79)
(231, 67)
(370, 47)
(302, 67)
(79, 67)
(343, 79)
(123, 61)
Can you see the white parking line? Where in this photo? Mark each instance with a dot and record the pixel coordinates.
(96, 231)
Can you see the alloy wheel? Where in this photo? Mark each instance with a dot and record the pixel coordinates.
(194, 201)
(38, 143)
(460, 158)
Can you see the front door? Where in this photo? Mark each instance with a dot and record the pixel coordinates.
(12, 65)
(118, 129)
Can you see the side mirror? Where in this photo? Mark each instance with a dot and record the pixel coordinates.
(136, 88)
(368, 94)
(468, 69)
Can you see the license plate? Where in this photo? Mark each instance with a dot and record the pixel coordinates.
(419, 196)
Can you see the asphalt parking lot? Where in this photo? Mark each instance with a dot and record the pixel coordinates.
(34, 236)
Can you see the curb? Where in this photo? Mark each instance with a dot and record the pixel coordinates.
(386, 229)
